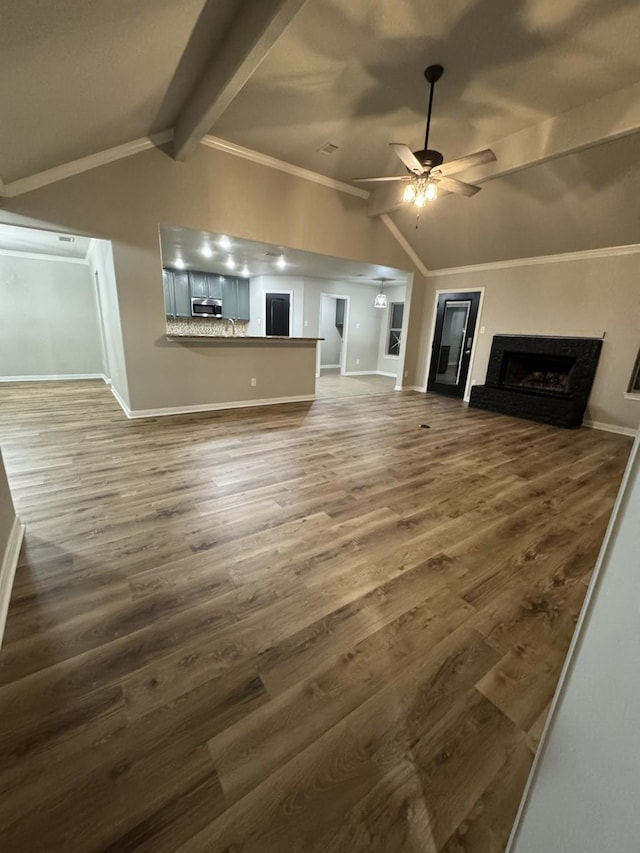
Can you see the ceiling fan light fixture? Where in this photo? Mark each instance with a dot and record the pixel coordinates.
(431, 191)
(409, 194)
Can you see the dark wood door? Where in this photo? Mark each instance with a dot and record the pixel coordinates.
(278, 314)
(451, 351)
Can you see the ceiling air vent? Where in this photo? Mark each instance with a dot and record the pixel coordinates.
(328, 148)
(65, 238)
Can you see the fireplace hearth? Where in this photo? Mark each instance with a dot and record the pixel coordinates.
(544, 379)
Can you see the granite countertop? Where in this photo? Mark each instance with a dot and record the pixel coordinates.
(239, 338)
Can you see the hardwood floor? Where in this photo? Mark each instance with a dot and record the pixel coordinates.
(308, 628)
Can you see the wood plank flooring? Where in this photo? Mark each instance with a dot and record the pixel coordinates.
(308, 628)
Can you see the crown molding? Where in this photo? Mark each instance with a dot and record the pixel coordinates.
(281, 165)
(84, 164)
(587, 254)
(402, 240)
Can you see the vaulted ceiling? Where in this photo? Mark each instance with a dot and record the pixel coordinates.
(546, 84)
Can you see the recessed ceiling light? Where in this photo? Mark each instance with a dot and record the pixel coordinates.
(281, 262)
(206, 251)
(231, 263)
(179, 264)
(224, 242)
(245, 271)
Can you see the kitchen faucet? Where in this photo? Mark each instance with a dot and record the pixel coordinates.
(233, 326)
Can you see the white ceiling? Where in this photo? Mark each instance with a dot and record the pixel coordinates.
(353, 74)
(82, 76)
(185, 245)
(35, 242)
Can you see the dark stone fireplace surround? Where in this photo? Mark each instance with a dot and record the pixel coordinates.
(546, 379)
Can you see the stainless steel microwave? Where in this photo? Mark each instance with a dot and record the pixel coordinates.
(204, 307)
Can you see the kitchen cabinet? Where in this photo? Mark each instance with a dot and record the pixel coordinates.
(169, 295)
(181, 292)
(177, 300)
(235, 298)
(205, 285)
(243, 299)
(198, 284)
(214, 285)
(181, 285)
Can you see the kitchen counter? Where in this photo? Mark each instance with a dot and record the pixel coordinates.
(248, 339)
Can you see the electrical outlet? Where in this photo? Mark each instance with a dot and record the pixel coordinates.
(254, 382)
(306, 323)
(482, 330)
(406, 373)
(357, 361)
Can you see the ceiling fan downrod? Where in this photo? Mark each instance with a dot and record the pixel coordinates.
(432, 74)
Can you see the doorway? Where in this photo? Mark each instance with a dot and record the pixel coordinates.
(456, 317)
(278, 310)
(332, 329)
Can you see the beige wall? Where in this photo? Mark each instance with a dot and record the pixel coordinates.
(573, 296)
(213, 191)
(7, 512)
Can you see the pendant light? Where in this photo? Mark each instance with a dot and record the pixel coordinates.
(381, 300)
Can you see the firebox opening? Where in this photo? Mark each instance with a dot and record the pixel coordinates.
(549, 374)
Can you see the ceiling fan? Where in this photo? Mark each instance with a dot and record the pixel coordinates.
(427, 169)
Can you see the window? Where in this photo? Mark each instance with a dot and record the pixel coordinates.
(634, 384)
(396, 310)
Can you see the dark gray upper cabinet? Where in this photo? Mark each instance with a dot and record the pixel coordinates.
(235, 298)
(181, 293)
(229, 298)
(243, 299)
(169, 295)
(181, 285)
(177, 302)
(198, 283)
(214, 285)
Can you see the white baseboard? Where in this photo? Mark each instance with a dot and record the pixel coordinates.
(8, 570)
(215, 407)
(329, 366)
(120, 401)
(421, 389)
(610, 428)
(62, 377)
(385, 373)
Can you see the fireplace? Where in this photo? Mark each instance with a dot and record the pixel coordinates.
(541, 378)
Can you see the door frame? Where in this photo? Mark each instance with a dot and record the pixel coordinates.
(275, 293)
(462, 289)
(345, 332)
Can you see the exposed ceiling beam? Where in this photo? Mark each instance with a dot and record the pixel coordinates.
(254, 31)
(611, 117)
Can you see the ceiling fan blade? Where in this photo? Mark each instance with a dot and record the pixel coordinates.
(477, 159)
(408, 158)
(453, 185)
(394, 178)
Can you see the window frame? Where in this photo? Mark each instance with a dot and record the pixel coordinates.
(397, 330)
(633, 388)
